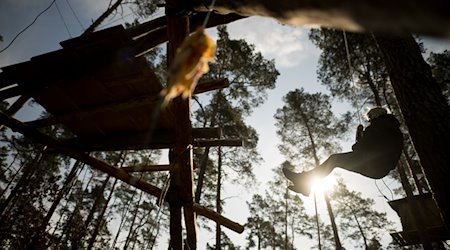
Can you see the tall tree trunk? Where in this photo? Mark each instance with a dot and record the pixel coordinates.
(133, 220)
(201, 174)
(373, 88)
(100, 218)
(79, 203)
(218, 199)
(205, 157)
(317, 222)
(286, 207)
(96, 203)
(337, 241)
(122, 220)
(11, 181)
(63, 191)
(363, 235)
(28, 171)
(66, 187)
(425, 110)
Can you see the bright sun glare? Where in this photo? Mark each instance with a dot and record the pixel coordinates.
(321, 185)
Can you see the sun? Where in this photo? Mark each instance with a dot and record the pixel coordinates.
(322, 185)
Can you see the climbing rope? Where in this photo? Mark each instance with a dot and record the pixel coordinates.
(350, 70)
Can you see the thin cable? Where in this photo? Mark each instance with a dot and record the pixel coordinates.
(209, 13)
(379, 190)
(62, 19)
(392, 194)
(29, 25)
(350, 69)
(75, 14)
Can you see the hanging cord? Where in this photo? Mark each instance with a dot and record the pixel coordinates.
(392, 194)
(75, 14)
(24, 29)
(379, 190)
(62, 19)
(208, 15)
(350, 69)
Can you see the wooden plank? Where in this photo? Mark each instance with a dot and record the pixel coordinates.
(62, 148)
(16, 106)
(160, 138)
(148, 168)
(17, 73)
(12, 92)
(215, 132)
(159, 36)
(128, 141)
(145, 28)
(205, 86)
(96, 110)
(216, 143)
(212, 215)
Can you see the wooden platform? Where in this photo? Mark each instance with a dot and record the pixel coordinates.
(97, 89)
(433, 228)
(100, 88)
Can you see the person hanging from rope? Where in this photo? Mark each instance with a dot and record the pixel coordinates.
(375, 153)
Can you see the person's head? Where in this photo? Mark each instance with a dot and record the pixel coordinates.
(375, 112)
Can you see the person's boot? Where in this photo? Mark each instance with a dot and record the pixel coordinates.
(302, 183)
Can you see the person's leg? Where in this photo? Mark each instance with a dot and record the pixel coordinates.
(368, 164)
(302, 181)
(346, 161)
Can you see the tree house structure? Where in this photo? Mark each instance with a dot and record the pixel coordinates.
(100, 88)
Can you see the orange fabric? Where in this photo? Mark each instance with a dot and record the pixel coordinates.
(190, 63)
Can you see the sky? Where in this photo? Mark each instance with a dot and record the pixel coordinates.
(295, 57)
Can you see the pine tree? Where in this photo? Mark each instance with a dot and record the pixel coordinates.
(250, 76)
(440, 67)
(359, 222)
(308, 128)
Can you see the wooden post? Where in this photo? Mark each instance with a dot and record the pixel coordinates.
(177, 31)
(417, 220)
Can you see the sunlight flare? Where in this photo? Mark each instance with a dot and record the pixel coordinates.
(322, 185)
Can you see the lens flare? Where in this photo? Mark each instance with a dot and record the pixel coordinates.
(323, 185)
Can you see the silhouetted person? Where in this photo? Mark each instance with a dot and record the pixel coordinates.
(374, 155)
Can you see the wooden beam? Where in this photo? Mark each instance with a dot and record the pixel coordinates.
(215, 132)
(400, 16)
(144, 29)
(134, 141)
(148, 168)
(205, 86)
(94, 111)
(5, 80)
(62, 148)
(13, 92)
(152, 39)
(16, 106)
(212, 215)
(216, 143)
(160, 138)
